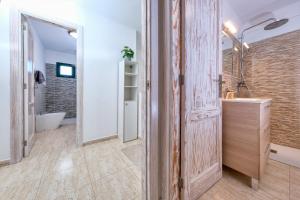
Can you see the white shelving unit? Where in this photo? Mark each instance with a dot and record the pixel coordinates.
(128, 101)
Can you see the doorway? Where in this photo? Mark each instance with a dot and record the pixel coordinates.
(150, 140)
(50, 78)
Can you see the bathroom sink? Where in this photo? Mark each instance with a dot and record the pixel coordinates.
(247, 100)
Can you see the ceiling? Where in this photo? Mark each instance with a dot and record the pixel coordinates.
(126, 12)
(247, 9)
(54, 37)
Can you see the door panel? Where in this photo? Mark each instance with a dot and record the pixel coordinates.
(130, 116)
(201, 158)
(29, 113)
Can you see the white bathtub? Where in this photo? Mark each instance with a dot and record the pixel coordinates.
(48, 121)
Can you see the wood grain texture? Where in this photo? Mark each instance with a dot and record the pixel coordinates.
(154, 76)
(175, 100)
(201, 160)
(144, 103)
(272, 71)
(79, 82)
(246, 137)
(16, 87)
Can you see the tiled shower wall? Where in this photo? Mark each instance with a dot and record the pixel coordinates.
(273, 71)
(60, 93)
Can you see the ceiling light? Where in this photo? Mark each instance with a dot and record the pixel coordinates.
(73, 34)
(236, 49)
(246, 45)
(230, 27)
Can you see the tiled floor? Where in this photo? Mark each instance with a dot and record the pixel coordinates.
(280, 182)
(110, 170)
(58, 170)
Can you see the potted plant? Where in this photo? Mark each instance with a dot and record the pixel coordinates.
(128, 53)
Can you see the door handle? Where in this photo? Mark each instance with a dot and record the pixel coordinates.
(221, 82)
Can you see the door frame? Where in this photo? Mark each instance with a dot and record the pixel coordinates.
(16, 79)
(152, 36)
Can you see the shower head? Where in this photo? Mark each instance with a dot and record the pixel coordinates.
(276, 24)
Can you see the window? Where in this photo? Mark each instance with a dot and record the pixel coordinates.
(65, 70)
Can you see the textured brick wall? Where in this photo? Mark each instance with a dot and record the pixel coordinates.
(60, 93)
(273, 71)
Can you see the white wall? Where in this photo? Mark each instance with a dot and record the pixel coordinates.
(291, 11)
(38, 51)
(4, 85)
(103, 41)
(51, 57)
(39, 64)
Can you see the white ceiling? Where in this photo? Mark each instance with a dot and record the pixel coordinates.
(54, 37)
(126, 12)
(247, 9)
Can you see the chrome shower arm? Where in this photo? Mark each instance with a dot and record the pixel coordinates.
(258, 24)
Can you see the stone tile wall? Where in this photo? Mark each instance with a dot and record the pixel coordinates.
(273, 71)
(60, 93)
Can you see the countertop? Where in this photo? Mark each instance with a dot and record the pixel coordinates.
(247, 100)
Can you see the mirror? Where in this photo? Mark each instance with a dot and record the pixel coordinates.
(231, 65)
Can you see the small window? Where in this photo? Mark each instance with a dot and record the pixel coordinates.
(65, 70)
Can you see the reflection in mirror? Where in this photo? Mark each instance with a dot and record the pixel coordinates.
(231, 56)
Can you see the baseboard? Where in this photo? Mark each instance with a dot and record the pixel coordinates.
(285, 155)
(100, 140)
(4, 163)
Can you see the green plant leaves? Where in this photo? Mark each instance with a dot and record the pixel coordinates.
(127, 52)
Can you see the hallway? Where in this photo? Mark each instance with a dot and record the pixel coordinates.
(57, 169)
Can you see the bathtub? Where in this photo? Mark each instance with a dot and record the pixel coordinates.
(48, 121)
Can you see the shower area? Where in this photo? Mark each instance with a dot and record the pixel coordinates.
(268, 68)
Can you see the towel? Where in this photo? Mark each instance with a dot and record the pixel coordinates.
(39, 77)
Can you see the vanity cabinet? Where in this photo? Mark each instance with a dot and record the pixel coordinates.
(246, 136)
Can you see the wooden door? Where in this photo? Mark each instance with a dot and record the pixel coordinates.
(29, 115)
(201, 142)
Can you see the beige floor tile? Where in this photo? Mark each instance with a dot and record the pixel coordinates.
(295, 183)
(64, 179)
(20, 191)
(275, 180)
(84, 193)
(108, 165)
(56, 169)
(123, 185)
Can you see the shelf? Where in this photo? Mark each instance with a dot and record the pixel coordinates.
(130, 86)
(131, 74)
(129, 101)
